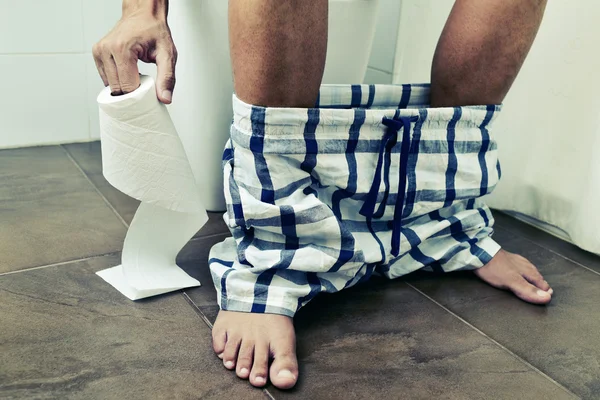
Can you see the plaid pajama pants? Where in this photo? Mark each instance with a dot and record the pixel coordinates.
(370, 180)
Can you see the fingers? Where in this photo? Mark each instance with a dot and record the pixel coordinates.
(127, 71)
(97, 53)
(165, 71)
(110, 70)
(117, 66)
(139, 37)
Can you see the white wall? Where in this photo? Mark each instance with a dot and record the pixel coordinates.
(48, 74)
(549, 129)
(49, 78)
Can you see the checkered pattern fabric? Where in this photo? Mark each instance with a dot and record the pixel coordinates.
(370, 180)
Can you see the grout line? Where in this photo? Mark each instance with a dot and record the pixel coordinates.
(550, 250)
(563, 256)
(197, 309)
(87, 86)
(30, 145)
(527, 363)
(210, 325)
(58, 263)
(111, 206)
(94, 186)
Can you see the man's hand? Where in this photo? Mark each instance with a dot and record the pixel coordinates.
(141, 34)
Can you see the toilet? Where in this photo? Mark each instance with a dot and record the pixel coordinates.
(202, 111)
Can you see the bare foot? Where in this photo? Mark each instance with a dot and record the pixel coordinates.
(247, 342)
(515, 273)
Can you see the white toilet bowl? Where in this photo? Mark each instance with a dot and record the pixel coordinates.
(351, 31)
(202, 108)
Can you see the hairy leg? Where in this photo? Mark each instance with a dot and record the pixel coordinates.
(477, 59)
(278, 50)
(481, 50)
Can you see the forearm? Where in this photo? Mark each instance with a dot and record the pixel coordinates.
(157, 8)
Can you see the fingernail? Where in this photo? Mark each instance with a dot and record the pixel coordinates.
(220, 356)
(229, 364)
(244, 371)
(284, 373)
(259, 380)
(541, 293)
(167, 95)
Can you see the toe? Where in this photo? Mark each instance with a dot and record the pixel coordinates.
(244, 359)
(284, 370)
(260, 366)
(231, 350)
(533, 276)
(530, 293)
(537, 280)
(219, 338)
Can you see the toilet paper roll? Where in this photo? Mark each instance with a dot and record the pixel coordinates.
(143, 157)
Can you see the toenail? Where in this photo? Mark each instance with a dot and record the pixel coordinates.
(244, 371)
(550, 291)
(229, 364)
(541, 293)
(284, 373)
(259, 380)
(220, 356)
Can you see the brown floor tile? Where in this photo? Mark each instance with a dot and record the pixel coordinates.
(193, 258)
(548, 241)
(89, 159)
(214, 226)
(88, 156)
(384, 340)
(561, 339)
(50, 213)
(68, 334)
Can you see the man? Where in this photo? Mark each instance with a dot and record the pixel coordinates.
(278, 52)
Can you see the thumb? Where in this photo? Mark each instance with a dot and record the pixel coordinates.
(165, 74)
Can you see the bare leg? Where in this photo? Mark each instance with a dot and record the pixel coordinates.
(482, 49)
(478, 57)
(278, 52)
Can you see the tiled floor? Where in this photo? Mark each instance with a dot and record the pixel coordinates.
(65, 333)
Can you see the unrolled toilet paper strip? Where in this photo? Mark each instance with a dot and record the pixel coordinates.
(143, 157)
